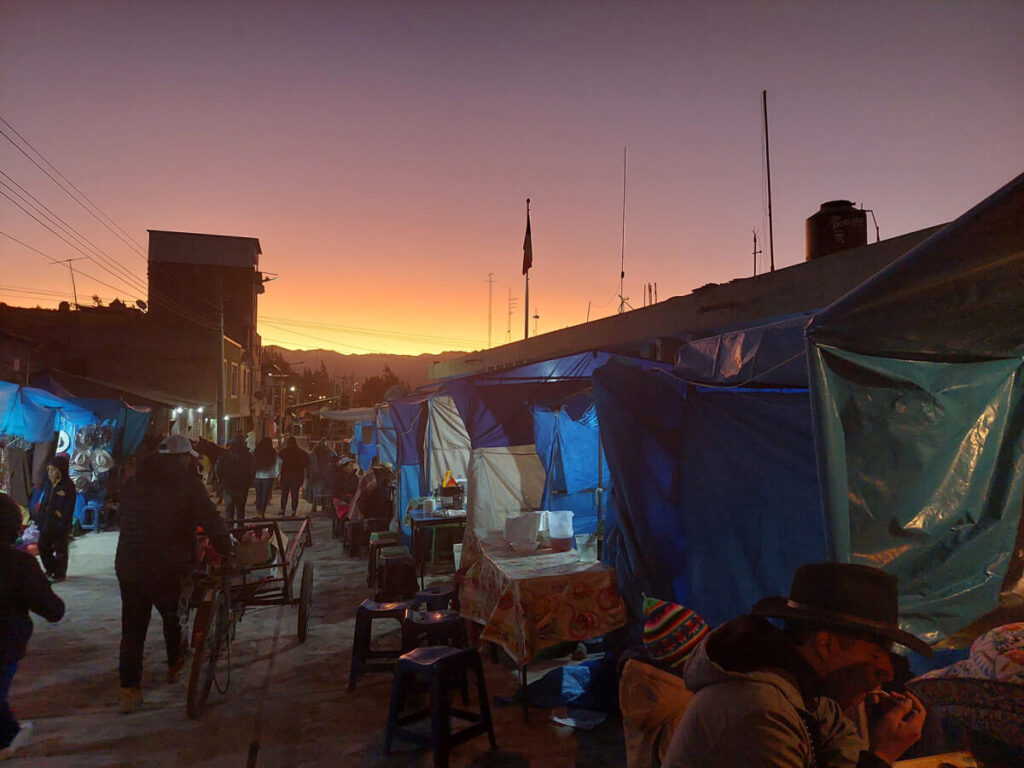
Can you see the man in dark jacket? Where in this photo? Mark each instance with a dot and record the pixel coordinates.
(236, 470)
(161, 507)
(23, 588)
(770, 697)
(55, 516)
(294, 462)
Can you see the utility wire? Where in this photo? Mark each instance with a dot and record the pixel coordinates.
(123, 274)
(157, 300)
(113, 227)
(125, 238)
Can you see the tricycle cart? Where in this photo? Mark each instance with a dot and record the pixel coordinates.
(221, 597)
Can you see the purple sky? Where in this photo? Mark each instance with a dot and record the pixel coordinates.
(382, 152)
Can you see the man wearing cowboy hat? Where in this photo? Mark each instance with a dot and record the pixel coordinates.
(770, 697)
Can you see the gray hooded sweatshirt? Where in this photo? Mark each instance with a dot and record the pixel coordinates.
(756, 702)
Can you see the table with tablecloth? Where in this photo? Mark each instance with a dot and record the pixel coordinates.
(528, 602)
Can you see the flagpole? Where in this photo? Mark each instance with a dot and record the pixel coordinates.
(526, 272)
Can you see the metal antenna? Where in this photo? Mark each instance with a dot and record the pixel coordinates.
(511, 305)
(490, 305)
(768, 169)
(623, 300)
(757, 253)
(71, 269)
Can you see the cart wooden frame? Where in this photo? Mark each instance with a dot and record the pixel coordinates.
(220, 600)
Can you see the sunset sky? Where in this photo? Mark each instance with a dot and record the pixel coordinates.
(382, 152)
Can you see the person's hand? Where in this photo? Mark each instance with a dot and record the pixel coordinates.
(897, 723)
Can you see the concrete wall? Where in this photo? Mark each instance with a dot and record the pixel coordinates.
(655, 332)
(177, 361)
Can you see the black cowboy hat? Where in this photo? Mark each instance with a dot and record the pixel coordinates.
(844, 596)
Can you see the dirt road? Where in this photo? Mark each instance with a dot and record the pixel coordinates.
(287, 703)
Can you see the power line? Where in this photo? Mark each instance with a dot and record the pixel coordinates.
(158, 299)
(113, 227)
(56, 220)
(126, 239)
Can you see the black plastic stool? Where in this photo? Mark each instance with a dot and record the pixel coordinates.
(396, 575)
(437, 597)
(443, 669)
(378, 542)
(433, 628)
(364, 659)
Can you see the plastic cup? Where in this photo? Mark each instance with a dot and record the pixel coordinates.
(586, 547)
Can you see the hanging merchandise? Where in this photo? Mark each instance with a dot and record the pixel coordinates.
(92, 459)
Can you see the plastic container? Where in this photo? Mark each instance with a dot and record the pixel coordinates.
(522, 529)
(560, 530)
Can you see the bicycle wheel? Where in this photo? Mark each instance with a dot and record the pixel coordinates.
(305, 601)
(210, 636)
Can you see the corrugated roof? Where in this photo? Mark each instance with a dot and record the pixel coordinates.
(195, 248)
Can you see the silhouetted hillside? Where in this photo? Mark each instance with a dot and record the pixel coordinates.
(410, 368)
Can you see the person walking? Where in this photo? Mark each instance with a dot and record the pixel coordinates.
(161, 507)
(237, 470)
(23, 588)
(321, 474)
(294, 461)
(55, 516)
(268, 467)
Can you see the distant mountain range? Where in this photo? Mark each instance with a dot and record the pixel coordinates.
(410, 368)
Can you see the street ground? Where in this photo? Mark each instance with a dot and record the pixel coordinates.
(287, 704)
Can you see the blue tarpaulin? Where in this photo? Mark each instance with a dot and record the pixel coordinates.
(716, 489)
(35, 414)
(919, 402)
(569, 450)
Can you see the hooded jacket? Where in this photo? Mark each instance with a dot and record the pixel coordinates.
(56, 511)
(161, 506)
(23, 588)
(756, 703)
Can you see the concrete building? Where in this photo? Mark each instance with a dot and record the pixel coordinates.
(16, 356)
(175, 352)
(657, 331)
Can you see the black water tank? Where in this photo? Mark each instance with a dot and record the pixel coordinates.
(836, 227)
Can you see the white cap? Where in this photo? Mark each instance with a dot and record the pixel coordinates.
(176, 444)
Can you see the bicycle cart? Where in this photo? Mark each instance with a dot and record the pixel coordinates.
(220, 598)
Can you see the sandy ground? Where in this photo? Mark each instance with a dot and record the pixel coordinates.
(287, 702)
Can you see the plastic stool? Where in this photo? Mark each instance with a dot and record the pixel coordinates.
(364, 659)
(433, 628)
(92, 516)
(396, 575)
(441, 668)
(378, 541)
(437, 597)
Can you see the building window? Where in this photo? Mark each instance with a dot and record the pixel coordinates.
(234, 379)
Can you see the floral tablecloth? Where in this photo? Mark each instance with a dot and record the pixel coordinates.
(529, 602)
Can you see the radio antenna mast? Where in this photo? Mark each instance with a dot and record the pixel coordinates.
(623, 300)
(768, 170)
